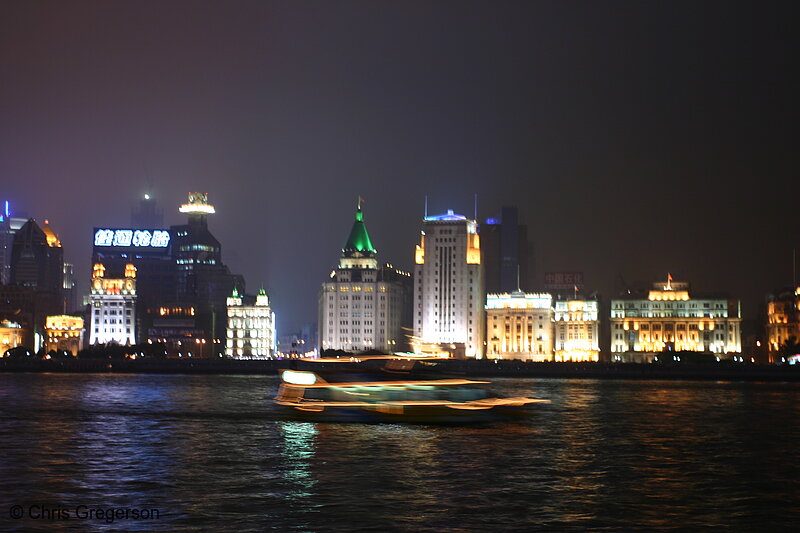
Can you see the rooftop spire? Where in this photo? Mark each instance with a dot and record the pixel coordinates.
(359, 242)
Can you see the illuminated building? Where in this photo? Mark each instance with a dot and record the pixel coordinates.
(11, 336)
(577, 330)
(202, 280)
(669, 318)
(64, 333)
(506, 252)
(70, 303)
(37, 270)
(176, 328)
(519, 326)
(361, 306)
(29, 307)
(448, 286)
(37, 259)
(9, 225)
(113, 305)
(783, 321)
(149, 250)
(251, 326)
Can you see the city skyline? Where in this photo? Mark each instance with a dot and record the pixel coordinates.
(748, 312)
(635, 138)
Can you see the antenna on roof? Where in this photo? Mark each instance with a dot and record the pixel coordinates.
(476, 207)
(426, 206)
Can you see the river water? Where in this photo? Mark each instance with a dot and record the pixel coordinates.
(211, 453)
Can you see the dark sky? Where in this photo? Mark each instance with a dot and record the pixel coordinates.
(636, 137)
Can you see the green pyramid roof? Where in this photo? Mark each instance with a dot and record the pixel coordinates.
(359, 241)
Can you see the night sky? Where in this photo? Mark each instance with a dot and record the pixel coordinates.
(636, 137)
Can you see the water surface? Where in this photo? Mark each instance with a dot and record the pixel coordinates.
(212, 453)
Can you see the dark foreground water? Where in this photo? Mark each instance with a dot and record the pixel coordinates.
(210, 453)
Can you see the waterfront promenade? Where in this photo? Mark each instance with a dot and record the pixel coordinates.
(724, 371)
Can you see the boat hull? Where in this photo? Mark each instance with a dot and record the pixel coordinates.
(406, 414)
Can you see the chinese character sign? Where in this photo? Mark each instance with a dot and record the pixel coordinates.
(126, 238)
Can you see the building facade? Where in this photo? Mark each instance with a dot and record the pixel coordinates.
(519, 326)
(113, 306)
(449, 294)
(670, 319)
(64, 333)
(251, 326)
(37, 259)
(11, 336)
(577, 330)
(148, 249)
(9, 225)
(783, 321)
(361, 306)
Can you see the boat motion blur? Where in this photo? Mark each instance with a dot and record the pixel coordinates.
(391, 393)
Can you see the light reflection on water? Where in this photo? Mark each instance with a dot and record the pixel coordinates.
(212, 452)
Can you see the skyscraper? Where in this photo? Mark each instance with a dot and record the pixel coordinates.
(361, 306)
(449, 293)
(203, 281)
(37, 259)
(9, 225)
(506, 253)
(149, 251)
(147, 214)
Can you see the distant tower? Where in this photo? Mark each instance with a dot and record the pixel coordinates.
(9, 225)
(69, 287)
(37, 259)
(6, 242)
(198, 208)
(505, 252)
(147, 215)
(203, 281)
(448, 286)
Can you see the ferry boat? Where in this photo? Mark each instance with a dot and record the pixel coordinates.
(393, 396)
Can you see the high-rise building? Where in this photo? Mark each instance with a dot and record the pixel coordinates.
(670, 319)
(577, 329)
(70, 302)
(506, 253)
(9, 225)
(251, 326)
(37, 259)
(783, 321)
(449, 294)
(149, 251)
(519, 325)
(202, 280)
(147, 214)
(363, 307)
(113, 305)
(36, 280)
